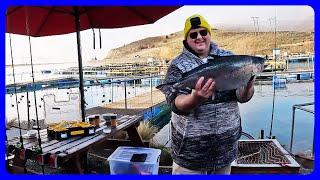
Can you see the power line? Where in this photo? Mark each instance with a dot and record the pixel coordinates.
(270, 22)
(256, 25)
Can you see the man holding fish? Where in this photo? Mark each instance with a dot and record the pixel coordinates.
(203, 86)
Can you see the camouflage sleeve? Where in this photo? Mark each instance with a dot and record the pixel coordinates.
(222, 52)
(174, 74)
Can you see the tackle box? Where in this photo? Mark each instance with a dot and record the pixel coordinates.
(68, 132)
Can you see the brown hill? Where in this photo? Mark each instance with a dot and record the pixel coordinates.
(169, 46)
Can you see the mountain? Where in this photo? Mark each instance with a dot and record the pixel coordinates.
(240, 42)
(298, 25)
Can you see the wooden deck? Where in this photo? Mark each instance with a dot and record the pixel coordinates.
(310, 71)
(135, 105)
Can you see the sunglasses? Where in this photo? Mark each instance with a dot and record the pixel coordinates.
(194, 35)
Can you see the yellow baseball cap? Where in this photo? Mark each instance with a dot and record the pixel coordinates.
(196, 21)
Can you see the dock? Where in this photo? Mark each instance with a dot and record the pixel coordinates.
(135, 106)
(70, 81)
(310, 71)
(290, 72)
(132, 106)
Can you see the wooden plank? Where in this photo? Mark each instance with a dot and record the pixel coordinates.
(14, 140)
(27, 145)
(67, 144)
(97, 139)
(36, 143)
(60, 145)
(142, 101)
(134, 136)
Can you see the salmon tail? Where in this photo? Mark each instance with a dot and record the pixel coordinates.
(161, 85)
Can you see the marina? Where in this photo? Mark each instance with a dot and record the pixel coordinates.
(89, 80)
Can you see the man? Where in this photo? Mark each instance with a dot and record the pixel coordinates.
(205, 123)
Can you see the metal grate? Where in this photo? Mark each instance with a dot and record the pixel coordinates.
(260, 153)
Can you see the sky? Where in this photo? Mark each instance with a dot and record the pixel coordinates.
(62, 48)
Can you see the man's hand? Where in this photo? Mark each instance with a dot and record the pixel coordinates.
(199, 95)
(245, 93)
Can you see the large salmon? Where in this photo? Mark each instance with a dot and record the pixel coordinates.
(229, 72)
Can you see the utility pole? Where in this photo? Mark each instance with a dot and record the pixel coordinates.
(270, 21)
(256, 25)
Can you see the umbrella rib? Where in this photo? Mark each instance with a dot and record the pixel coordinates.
(89, 18)
(86, 10)
(91, 25)
(60, 9)
(13, 10)
(55, 9)
(44, 21)
(138, 13)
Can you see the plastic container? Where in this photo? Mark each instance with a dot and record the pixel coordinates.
(69, 131)
(114, 121)
(107, 119)
(111, 119)
(94, 120)
(306, 76)
(134, 160)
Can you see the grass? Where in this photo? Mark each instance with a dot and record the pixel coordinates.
(146, 130)
(165, 157)
(9, 123)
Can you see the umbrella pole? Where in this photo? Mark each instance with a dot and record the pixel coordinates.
(77, 23)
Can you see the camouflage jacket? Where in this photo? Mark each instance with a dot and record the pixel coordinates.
(205, 139)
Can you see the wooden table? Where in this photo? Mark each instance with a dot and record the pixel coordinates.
(70, 154)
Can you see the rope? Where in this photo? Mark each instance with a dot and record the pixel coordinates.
(33, 83)
(246, 156)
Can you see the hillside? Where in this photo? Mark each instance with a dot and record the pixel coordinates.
(169, 46)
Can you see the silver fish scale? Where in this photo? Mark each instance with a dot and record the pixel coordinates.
(231, 74)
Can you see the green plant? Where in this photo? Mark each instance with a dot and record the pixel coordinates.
(165, 157)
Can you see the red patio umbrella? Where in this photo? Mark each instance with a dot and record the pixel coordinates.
(39, 21)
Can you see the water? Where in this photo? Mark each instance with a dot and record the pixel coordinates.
(301, 65)
(94, 96)
(256, 115)
(23, 73)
